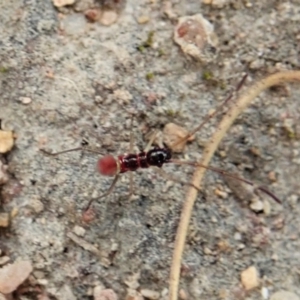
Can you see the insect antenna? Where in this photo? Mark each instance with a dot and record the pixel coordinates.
(71, 150)
(224, 173)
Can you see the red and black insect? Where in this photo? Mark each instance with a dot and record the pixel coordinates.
(155, 157)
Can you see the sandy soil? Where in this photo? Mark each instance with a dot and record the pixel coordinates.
(114, 73)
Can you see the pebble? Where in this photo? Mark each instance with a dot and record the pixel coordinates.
(219, 3)
(11, 276)
(267, 207)
(150, 294)
(25, 100)
(4, 219)
(284, 295)
(265, 293)
(93, 14)
(78, 230)
(195, 35)
(3, 173)
(122, 96)
(237, 236)
(6, 141)
(183, 294)
(61, 3)
(143, 19)
(133, 281)
(104, 294)
(250, 278)
(4, 260)
(108, 17)
(133, 295)
(36, 205)
(257, 205)
(173, 133)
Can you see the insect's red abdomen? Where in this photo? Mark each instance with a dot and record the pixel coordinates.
(107, 165)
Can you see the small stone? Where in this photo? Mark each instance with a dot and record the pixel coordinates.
(14, 212)
(108, 17)
(123, 96)
(78, 230)
(267, 207)
(173, 134)
(6, 141)
(61, 3)
(221, 194)
(257, 205)
(237, 236)
(223, 246)
(133, 281)
(3, 173)
(143, 19)
(272, 176)
(104, 294)
(133, 295)
(4, 219)
(4, 260)
(219, 3)
(195, 35)
(265, 293)
(250, 278)
(284, 295)
(93, 14)
(43, 282)
(241, 246)
(207, 251)
(36, 205)
(25, 100)
(11, 276)
(183, 295)
(150, 294)
(88, 215)
(256, 64)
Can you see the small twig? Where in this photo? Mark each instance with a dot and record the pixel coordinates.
(243, 101)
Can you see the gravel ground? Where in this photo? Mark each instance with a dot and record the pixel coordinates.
(67, 82)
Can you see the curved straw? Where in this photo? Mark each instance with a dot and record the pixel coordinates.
(243, 101)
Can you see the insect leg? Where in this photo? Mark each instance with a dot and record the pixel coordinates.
(111, 188)
(224, 173)
(131, 185)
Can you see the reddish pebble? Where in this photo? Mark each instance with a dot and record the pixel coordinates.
(88, 215)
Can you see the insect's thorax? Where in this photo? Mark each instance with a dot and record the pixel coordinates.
(154, 157)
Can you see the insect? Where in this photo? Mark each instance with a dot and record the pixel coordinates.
(156, 157)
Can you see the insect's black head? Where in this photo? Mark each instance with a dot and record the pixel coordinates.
(158, 156)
